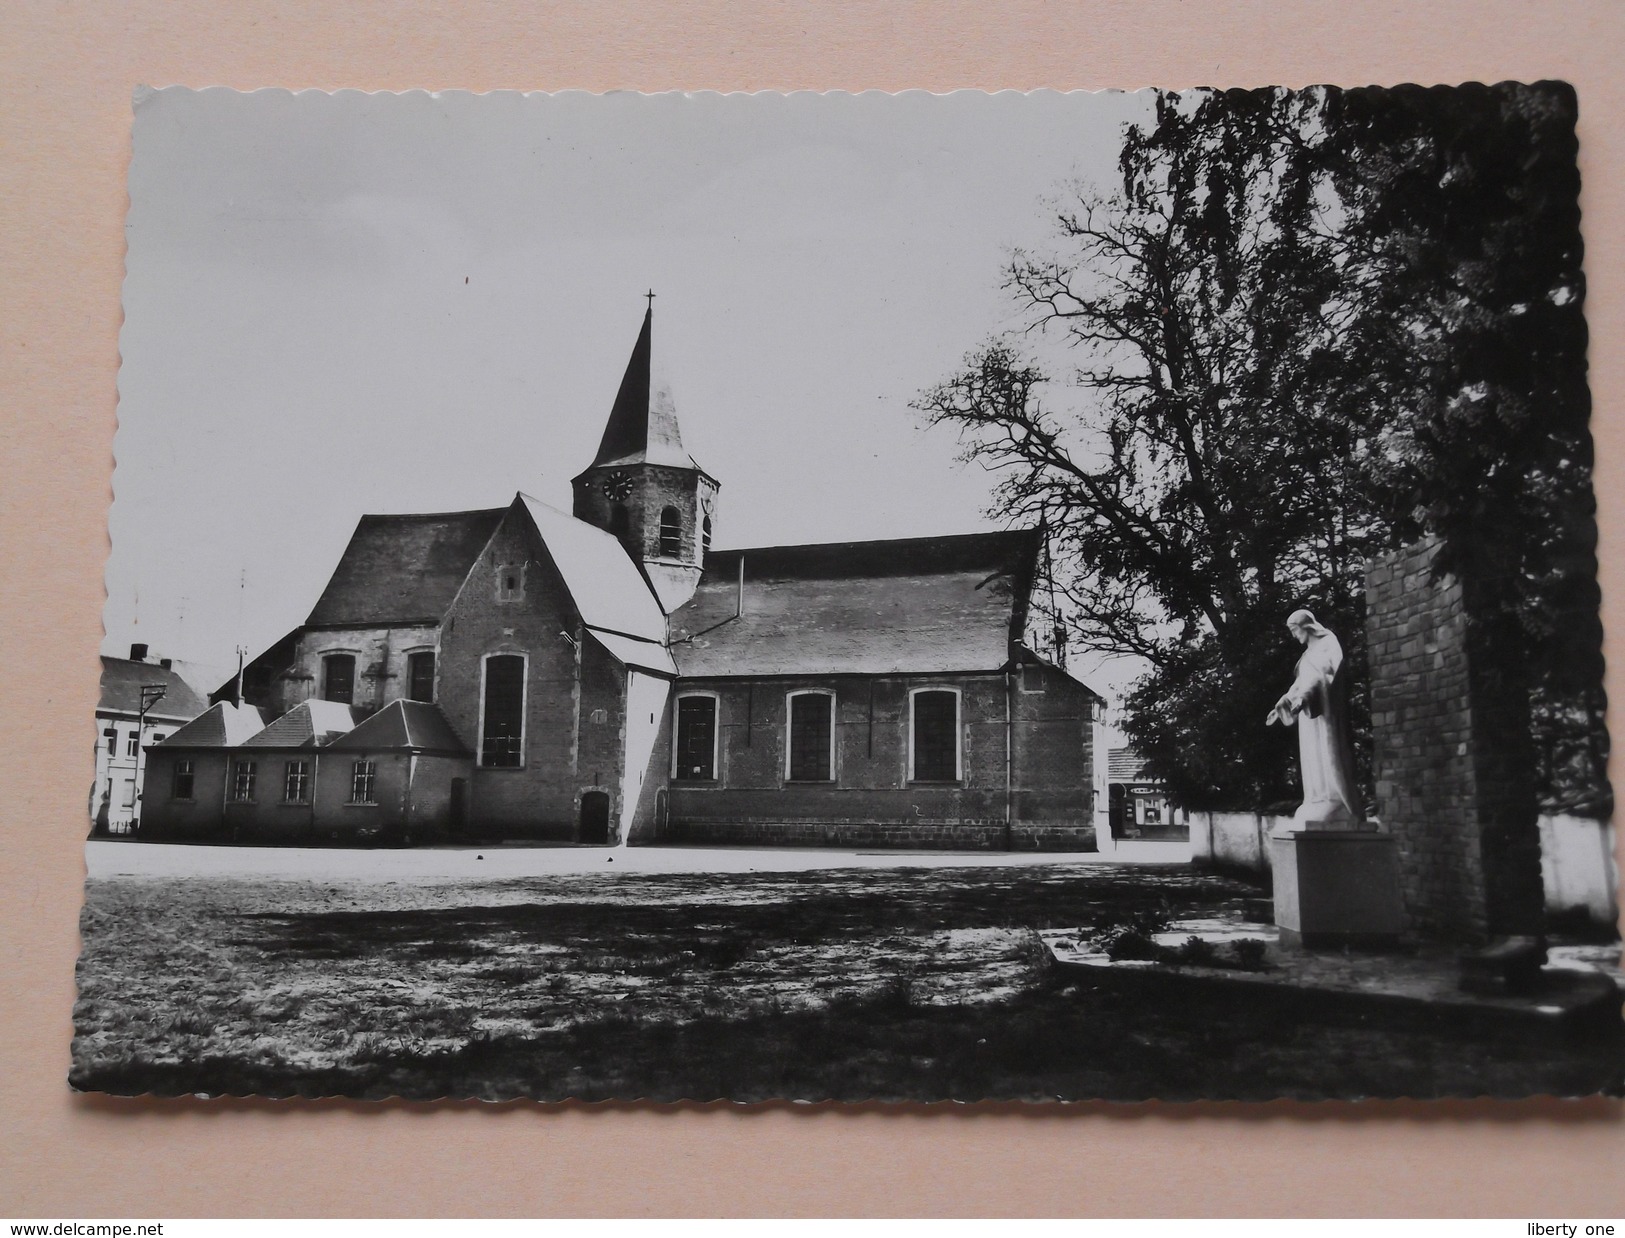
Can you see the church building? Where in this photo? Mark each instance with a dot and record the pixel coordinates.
(605, 676)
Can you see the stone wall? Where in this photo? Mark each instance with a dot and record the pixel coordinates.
(1578, 868)
(957, 835)
(1234, 840)
(1451, 752)
(1576, 858)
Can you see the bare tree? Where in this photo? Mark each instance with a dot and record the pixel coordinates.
(1309, 326)
(1188, 443)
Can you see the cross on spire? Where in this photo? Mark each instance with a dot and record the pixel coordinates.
(650, 298)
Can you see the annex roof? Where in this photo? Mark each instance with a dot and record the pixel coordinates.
(222, 725)
(404, 726)
(310, 724)
(123, 679)
(642, 426)
(607, 588)
(403, 569)
(912, 606)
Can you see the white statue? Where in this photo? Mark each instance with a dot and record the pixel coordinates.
(1317, 702)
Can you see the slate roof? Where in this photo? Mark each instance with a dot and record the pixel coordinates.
(642, 426)
(912, 606)
(1125, 765)
(122, 681)
(403, 569)
(222, 725)
(404, 726)
(310, 724)
(607, 588)
(257, 673)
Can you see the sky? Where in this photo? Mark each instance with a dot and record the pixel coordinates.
(346, 303)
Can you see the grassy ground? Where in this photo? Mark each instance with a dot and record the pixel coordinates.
(892, 984)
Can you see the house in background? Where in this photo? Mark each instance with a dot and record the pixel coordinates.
(1139, 804)
(142, 703)
(604, 674)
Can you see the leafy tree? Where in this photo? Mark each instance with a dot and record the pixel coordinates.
(1464, 219)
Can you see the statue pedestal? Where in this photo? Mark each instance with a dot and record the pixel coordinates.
(1336, 887)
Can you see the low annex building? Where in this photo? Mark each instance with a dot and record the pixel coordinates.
(604, 675)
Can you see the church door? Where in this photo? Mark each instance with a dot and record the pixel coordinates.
(594, 818)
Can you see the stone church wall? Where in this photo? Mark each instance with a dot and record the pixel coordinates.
(1054, 762)
(870, 801)
(380, 664)
(572, 701)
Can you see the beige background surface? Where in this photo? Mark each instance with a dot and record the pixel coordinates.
(66, 73)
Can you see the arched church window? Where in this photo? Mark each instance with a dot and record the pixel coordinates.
(933, 741)
(671, 533)
(694, 758)
(338, 678)
(705, 535)
(810, 739)
(420, 675)
(502, 730)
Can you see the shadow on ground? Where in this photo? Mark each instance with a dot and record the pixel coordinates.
(854, 985)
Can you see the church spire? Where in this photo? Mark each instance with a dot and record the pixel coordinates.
(627, 434)
(643, 487)
(642, 426)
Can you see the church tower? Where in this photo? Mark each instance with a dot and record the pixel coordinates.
(644, 488)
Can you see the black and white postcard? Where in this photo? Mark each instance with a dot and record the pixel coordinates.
(859, 597)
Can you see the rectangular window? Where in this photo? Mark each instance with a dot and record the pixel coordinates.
(338, 678)
(157, 739)
(184, 781)
(420, 676)
(696, 738)
(935, 737)
(132, 745)
(242, 781)
(296, 782)
(502, 737)
(810, 737)
(363, 775)
(111, 735)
